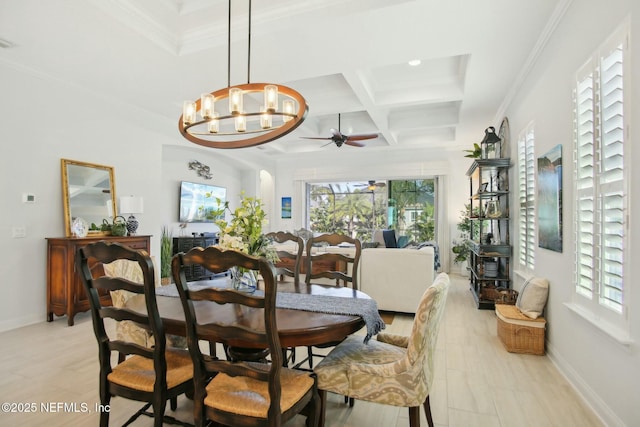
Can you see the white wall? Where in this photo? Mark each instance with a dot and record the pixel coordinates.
(78, 125)
(175, 169)
(72, 124)
(606, 372)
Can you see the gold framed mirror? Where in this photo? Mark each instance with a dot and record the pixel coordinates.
(89, 196)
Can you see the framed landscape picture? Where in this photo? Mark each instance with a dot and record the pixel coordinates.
(550, 200)
(286, 207)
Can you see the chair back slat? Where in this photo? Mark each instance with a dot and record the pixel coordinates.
(108, 283)
(121, 314)
(126, 347)
(225, 296)
(231, 332)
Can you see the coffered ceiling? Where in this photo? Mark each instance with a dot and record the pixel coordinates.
(344, 56)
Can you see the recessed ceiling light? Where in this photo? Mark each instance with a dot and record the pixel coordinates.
(414, 62)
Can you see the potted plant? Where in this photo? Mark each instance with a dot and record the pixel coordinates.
(476, 153)
(462, 248)
(166, 253)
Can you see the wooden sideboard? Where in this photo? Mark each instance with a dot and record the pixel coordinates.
(184, 244)
(65, 291)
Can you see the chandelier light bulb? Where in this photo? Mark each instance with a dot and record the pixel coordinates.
(207, 105)
(235, 100)
(241, 123)
(214, 125)
(271, 98)
(188, 112)
(265, 119)
(288, 107)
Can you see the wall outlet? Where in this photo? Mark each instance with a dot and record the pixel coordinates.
(18, 232)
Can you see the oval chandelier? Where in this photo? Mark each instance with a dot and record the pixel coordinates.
(244, 115)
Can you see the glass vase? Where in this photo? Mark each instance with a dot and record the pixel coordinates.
(243, 280)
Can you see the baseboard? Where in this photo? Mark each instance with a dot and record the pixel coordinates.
(14, 323)
(588, 395)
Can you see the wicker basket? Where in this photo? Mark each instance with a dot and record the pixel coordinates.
(518, 333)
(489, 293)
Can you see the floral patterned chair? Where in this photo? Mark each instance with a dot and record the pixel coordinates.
(126, 329)
(395, 370)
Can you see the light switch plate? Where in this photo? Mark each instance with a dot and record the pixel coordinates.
(18, 232)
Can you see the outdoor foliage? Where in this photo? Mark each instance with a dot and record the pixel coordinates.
(349, 209)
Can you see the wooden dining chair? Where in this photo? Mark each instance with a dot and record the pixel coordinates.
(290, 262)
(289, 265)
(326, 259)
(153, 375)
(394, 370)
(234, 392)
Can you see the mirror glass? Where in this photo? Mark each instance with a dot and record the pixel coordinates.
(88, 193)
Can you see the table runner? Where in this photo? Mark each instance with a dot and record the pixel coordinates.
(366, 308)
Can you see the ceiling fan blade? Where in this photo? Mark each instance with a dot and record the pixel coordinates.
(314, 137)
(353, 144)
(362, 136)
(380, 184)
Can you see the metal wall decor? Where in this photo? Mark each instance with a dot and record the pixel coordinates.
(201, 169)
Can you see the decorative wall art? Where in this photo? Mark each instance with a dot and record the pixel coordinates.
(550, 200)
(201, 169)
(286, 207)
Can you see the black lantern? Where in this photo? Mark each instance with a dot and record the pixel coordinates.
(491, 144)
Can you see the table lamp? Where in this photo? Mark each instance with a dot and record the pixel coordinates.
(131, 205)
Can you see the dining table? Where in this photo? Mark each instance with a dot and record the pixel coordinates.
(306, 315)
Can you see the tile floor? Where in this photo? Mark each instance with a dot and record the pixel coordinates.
(477, 383)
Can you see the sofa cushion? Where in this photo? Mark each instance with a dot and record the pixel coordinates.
(533, 297)
(396, 278)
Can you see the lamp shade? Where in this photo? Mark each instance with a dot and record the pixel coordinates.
(131, 205)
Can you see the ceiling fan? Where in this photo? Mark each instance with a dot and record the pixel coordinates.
(372, 185)
(339, 138)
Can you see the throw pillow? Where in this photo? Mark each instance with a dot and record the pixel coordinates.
(368, 245)
(533, 297)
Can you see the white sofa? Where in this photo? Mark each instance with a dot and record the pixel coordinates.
(396, 278)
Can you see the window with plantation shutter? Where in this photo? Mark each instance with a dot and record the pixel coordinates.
(527, 199)
(599, 181)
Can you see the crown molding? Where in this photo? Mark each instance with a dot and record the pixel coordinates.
(532, 59)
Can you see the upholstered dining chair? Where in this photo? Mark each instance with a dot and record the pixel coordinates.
(234, 392)
(290, 262)
(153, 375)
(394, 370)
(336, 263)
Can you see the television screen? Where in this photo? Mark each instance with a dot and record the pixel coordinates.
(199, 201)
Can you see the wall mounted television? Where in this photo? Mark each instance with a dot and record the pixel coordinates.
(198, 201)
